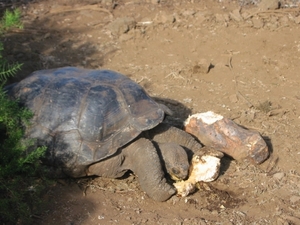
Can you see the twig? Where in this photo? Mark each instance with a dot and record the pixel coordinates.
(273, 12)
(229, 62)
(273, 161)
(250, 105)
(144, 23)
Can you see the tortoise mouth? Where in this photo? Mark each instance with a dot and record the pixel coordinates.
(175, 178)
(179, 176)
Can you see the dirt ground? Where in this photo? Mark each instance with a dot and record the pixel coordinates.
(236, 58)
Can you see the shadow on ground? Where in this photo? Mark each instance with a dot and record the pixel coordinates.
(45, 43)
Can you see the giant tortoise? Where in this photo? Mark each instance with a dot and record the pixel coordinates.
(100, 122)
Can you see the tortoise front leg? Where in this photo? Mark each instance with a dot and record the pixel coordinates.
(142, 158)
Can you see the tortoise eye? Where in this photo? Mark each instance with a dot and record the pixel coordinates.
(175, 171)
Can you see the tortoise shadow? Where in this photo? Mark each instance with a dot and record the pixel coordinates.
(179, 110)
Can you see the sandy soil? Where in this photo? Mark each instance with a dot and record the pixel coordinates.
(252, 52)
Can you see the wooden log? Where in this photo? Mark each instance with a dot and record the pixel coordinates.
(223, 134)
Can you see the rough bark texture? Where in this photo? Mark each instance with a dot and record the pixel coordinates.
(226, 136)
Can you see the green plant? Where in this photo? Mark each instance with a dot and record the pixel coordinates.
(14, 159)
(6, 69)
(11, 19)
(19, 186)
(18, 168)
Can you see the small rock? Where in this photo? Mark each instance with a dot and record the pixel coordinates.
(233, 98)
(155, 1)
(284, 21)
(226, 17)
(128, 218)
(174, 200)
(294, 199)
(200, 17)
(126, 37)
(297, 19)
(163, 17)
(203, 66)
(245, 15)
(257, 23)
(280, 221)
(122, 25)
(214, 212)
(268, 5)
(271, 26)
(278, 176)
(219, 18)
(235, 15)
(106, 2)
(274, 20)
(222, 18)
(188, 13)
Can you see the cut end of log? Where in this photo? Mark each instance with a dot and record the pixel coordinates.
(207, 117)
(259, 151)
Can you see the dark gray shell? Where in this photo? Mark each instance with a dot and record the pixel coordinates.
(84, 116)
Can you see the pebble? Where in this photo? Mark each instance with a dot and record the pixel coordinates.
(294, 199)
(125, 37)
(188, 13)
(268, 5)
(233, 98)
(284, 21)
(279, 175)
(281, 221)
(297, 19)
(105, 2)
(235, 15)
(155, 1)
(202, 66)
(220, 18)
(257, 23)
(122, 25)
(164, 18)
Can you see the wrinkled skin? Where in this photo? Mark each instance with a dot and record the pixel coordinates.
(162, 148)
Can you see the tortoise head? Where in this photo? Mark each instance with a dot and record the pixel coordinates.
(175, 160)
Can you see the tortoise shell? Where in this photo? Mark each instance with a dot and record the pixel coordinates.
(84, 116)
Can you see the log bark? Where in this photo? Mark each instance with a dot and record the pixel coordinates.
(225, 135)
